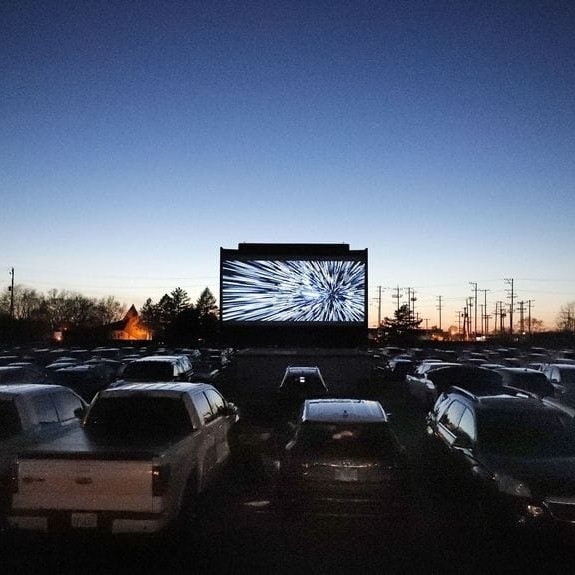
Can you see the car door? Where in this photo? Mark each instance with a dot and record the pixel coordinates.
(446, 443)
(208, 456)
(221, 424)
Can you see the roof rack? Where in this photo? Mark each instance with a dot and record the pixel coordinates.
(465, 392)
(508, 389)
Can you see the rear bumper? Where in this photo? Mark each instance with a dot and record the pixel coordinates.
(51, 521)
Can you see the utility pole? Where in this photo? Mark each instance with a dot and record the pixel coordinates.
(378, 307)
(484, 313)
(397, 296)
(474, 284)
(522, 317)
(439, 308)
(12, 294)
(413, 299)
(512, 296)
(529, 302)
(502, 315)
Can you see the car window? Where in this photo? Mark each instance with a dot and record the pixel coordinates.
(149, 371)
(466, 426)
(450, 419)
(139, 418)
(216, 401)
(66, 404)
(10, 424)
(203, 406)
(45, 409)
(345, 439)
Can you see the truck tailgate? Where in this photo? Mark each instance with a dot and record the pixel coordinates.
(84, 484)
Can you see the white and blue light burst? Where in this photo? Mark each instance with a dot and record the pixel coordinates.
(293, 291)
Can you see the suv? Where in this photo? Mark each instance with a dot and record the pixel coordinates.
(508, 453)
(165, 368)
(302, 383)
(344, 459)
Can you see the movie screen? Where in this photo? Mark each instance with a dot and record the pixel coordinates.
(293, 290)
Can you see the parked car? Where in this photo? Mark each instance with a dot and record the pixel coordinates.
(29, 414)
(85, 379)
(143, 455)
(155, 368)
(436, 381)
(343, 459)
(508, 453)
(562, 377)
(527, 379)
(302, 383)
(10, 374)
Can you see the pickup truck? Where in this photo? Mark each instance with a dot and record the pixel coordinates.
(30, 414)
(144, 453)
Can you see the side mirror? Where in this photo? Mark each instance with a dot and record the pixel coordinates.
(79, 412)
(232, 409)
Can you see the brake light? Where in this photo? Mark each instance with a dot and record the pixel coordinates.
(160, 479)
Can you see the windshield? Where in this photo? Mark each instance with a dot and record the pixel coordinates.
(345, 439)
(149, 371)
(526, 434)
(148, 418)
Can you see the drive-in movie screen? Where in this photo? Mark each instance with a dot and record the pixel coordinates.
(294, 290)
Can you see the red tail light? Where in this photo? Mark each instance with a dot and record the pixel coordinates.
(160, 479)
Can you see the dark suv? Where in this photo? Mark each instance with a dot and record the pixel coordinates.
(508, 453)
(343, 460)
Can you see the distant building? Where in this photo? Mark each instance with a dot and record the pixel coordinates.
(129, 328)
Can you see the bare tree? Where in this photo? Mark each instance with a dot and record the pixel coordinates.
(566, 318)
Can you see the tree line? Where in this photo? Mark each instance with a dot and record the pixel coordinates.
(29, 315)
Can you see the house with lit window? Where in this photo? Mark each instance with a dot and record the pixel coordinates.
(129, 328)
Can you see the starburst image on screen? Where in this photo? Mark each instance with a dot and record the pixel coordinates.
(293, 291)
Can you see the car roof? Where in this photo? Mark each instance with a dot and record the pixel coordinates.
(12, 390)
(166, 358)
(343, 411)
(510, 399)
(151, 388)
(302, 369)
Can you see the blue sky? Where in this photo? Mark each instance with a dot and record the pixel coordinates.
(138, 138)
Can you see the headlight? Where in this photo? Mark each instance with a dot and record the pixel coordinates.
(512, 486)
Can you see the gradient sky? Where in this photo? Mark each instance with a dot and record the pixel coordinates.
(137, 138)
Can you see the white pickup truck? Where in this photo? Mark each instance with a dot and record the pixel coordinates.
(145, 451)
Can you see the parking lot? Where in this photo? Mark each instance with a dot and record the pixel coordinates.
(238, 527)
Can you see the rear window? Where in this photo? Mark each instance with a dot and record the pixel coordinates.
(149, 371)
(145, 418)
(68, 405)
(373, 439)
(304, 384)
(10, 424)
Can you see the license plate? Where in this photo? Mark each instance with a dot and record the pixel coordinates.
(84, 520)
(346, 474)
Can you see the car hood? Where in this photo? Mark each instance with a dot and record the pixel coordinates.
(544, 476)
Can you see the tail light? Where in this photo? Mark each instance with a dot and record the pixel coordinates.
(160, 479)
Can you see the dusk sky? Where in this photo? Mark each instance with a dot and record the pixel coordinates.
(137, 138)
